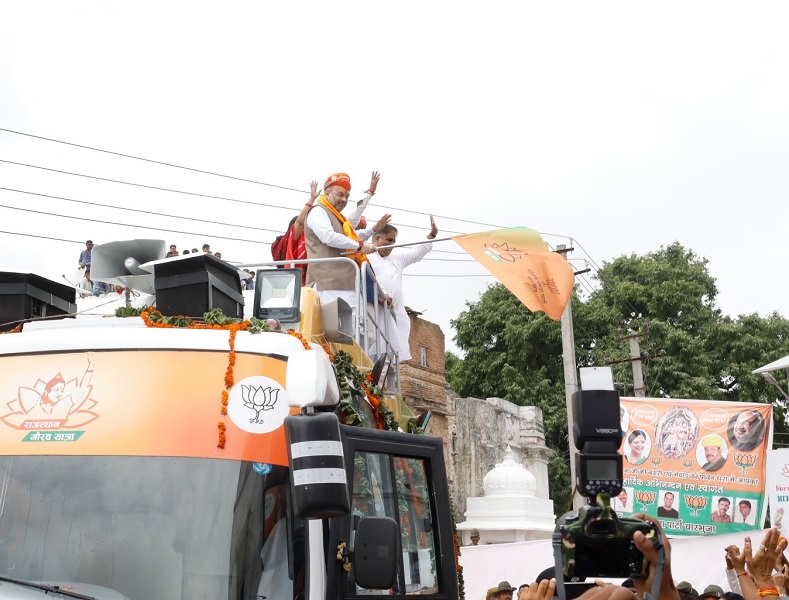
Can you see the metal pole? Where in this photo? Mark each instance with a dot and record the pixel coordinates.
(570, 379)
(638, 376)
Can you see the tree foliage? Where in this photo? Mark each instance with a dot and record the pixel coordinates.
(689, 349)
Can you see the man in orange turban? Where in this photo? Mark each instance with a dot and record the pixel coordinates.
(328, 234)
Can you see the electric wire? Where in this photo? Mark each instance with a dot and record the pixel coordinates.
(196, 194)
(216, 174)
(208, 235)
(138, 210)
(150, 160)
(246, 180)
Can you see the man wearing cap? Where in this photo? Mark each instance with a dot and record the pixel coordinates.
(504, 591)
(295, 244)
(684, 587)
(712, 591)
(713, 445)
(84, 256)
(720, 515)
(475, 537)
(328, 234)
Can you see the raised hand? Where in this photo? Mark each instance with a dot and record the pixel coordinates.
(433, 228)
(382, 222)
(374, 179)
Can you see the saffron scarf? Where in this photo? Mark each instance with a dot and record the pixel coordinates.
(347, 229)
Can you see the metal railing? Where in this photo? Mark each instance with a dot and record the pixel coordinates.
(371, 326)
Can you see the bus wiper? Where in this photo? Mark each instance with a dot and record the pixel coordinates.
(48, 588)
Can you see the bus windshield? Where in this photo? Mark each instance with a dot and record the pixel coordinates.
(151, 527)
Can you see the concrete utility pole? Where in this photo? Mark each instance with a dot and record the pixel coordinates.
(570, 377)
(639, 389)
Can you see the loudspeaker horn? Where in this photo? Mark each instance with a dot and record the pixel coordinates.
(118, 263)
(337, 319)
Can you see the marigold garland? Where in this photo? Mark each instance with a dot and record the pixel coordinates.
(213, 320)
(16, 329)
(301, 338)
(328, 351)
(384, 417)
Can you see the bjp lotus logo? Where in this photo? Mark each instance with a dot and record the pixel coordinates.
(744, 461)
(656, 461)
(688, 463)
(695, 503)
(645, 498)
(259, 399)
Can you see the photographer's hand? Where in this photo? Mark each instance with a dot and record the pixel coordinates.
(538, 591)
(608, 592)
(647, 548)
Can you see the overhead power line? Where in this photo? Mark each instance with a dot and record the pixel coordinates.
(188, 193)
(150, 160)
(139, 210)
(209, 235)
(233, 177)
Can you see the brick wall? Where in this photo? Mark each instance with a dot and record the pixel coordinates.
(424, 387)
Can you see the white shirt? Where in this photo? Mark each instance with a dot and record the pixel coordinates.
(318, 221)
(356, 213)
(389, 270)
(389, 274)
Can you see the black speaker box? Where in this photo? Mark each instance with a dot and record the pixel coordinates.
(195, 285)
(27, 296)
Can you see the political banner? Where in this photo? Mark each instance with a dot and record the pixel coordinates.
(778, 488)
(697, 465)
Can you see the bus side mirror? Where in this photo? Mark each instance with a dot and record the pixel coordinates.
(376, 553)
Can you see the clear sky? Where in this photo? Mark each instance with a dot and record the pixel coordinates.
(612, 127)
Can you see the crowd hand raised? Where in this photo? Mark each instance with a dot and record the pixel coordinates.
(538, 591)
(647, 548)
(762, 563)
(382, 222)
(780, 579)
(736, 558)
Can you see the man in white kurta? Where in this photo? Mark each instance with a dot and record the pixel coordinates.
(389, 264)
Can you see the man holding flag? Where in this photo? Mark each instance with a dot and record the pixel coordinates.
(388, 264)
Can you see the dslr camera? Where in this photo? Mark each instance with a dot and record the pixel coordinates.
(594, 541)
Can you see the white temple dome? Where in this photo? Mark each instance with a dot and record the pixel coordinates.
(509, 478)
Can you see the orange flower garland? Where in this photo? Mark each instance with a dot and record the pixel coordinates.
(301, 338)
(233, 328)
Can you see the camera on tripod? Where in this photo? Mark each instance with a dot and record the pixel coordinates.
(594, 541)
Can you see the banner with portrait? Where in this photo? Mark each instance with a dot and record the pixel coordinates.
(697, 465)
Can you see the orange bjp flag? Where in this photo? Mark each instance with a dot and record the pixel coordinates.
(520, 259)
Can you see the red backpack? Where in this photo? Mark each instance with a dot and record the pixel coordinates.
(279, 246)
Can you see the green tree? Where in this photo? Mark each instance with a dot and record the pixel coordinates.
(689, 349)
